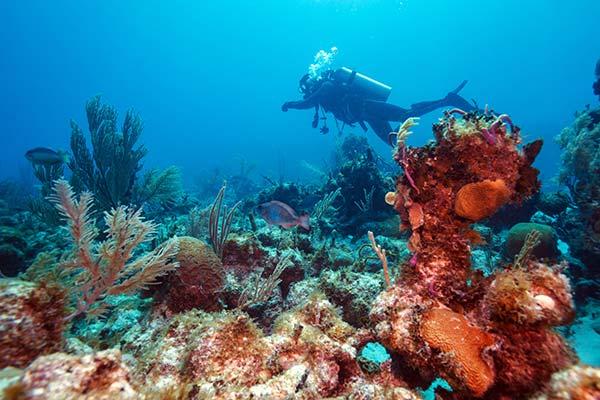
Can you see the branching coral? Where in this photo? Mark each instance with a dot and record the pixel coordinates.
(106, 268)
(260, 289)
(219, 222)
(382, 257)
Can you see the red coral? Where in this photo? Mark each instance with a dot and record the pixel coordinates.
(232, 352)
(527, 358)
(536, 295)
(444, 319)
(460, 174)
(243, 254)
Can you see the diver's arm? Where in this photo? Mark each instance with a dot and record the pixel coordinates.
(299, 105)
(309, 102)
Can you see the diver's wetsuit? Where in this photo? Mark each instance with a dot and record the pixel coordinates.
(350, 108)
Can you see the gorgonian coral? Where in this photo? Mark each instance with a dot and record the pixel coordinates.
(107, 268)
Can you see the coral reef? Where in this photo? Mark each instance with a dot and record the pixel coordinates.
(107, 269)
(311, 353)
(460, 170)
(579, 173)
(442, 316)
(578, 382)
(31, 321)
(461, 347)
(423, 291)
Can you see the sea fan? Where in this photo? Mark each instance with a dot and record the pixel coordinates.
(106, 268)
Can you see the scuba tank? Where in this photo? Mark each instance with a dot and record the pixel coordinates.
(362, 84)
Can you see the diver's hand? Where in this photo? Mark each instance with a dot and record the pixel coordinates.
(285, 107)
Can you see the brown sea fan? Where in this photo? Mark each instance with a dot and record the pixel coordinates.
(106, 268)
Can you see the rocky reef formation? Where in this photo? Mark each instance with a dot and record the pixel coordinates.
(580, 174)
(441, 317)
(387, 296)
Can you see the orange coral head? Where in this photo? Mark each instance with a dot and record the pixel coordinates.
(480, 200)
(463, 343)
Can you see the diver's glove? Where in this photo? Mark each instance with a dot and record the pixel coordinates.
(285, 107)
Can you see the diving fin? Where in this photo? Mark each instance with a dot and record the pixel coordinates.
(460, 87)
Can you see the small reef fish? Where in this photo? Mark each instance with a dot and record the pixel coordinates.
(46, 156)
(278, 213)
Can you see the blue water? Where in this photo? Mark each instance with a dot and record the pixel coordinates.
(209, 77)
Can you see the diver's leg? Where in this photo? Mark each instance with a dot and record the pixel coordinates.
(381, 127)
(380, 110)
(452, 99)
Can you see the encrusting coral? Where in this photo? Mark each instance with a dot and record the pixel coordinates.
(462, 345)
(61, 376)
(579, 382)
(479, 200)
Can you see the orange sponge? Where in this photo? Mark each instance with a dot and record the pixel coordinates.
(462, 343)
(479, 200)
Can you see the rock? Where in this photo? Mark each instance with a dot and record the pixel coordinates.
(12, 260)
(99, 376)
(31, 321)
(553, 203)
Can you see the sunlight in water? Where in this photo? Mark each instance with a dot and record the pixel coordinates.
(357, 5)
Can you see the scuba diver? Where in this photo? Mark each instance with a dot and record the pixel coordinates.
(354, 98)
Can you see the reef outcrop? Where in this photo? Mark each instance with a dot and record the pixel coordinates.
(443, 318)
